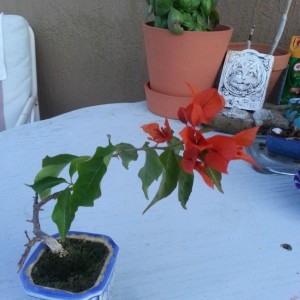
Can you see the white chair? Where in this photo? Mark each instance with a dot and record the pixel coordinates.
(18, 79)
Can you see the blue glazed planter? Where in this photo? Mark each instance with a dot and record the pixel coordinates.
(283, 147)
(102, 287)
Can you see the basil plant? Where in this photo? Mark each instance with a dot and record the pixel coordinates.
(183, 15)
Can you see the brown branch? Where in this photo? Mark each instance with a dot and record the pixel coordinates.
(46, 200)
(29, 245)
(41, 236)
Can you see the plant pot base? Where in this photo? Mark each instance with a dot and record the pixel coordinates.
(164, 105)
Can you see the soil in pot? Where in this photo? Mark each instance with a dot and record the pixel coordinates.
(76, 272)
(289, 133)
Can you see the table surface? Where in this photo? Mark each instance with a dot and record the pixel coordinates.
(223, 246)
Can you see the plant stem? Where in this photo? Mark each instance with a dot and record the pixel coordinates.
(52, 243)
(155, 147)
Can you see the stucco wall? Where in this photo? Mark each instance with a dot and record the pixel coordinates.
(91, 52)
(265, 14)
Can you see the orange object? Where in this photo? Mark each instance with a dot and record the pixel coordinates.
(295, 46)
(165, 105)
(173, 60)
(193, 57)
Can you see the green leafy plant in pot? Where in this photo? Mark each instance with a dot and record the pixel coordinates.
(286, 142)
(171, 159)
(184, 42)
(184, 15)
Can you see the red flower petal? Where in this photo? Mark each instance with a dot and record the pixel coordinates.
(202, 171)
(189, 160)
(211, 103)
(158, 135)
(246, 137)
(193, 138)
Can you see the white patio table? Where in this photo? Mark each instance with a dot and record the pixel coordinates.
(224, 246)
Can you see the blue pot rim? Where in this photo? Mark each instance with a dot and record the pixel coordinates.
(96, 290)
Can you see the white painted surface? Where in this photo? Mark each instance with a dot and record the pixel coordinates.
(224, 246)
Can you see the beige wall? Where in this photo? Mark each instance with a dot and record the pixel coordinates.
(91, 52)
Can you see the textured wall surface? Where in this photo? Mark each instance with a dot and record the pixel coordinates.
(91, 51)
(265, 14)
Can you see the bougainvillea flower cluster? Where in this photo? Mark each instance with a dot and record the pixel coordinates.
(208, 156)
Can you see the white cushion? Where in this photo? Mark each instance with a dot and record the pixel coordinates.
(17, 57)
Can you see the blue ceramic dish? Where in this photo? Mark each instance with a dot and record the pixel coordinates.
(283, 147)
(101, 289)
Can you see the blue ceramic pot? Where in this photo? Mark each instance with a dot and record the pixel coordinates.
(102, 287)
(283, 147)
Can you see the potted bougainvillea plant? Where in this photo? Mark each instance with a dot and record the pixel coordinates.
(171, 159)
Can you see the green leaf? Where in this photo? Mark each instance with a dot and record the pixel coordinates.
(216, 178)
(61, 159)
(188, 21)
(128, 153)
(151, 170)
(201, 19)
(63, 215)
(176, 140)
(170, 173)
(185, 186)
(48, 171)
(162, 7)
(86, 189)
(175, 20)
(51, 167)
(75, 162)
(46, 183)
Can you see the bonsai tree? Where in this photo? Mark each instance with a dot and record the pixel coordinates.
(171, 159)
(181, 15)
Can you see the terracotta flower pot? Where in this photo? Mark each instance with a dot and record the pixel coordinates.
(173, 60)
(281, 60)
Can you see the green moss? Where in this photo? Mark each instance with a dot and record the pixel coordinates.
(76, 272)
